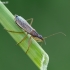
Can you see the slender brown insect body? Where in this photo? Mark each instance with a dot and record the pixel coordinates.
(26, 27)
(22, 23)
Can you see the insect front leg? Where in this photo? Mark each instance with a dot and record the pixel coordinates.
(31, 20)
(29, 43)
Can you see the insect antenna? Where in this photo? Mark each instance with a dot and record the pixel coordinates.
(55, 34)
(44, 41)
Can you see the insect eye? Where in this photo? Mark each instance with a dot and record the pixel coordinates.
(40, 36)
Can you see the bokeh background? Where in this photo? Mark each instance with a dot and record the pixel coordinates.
(50, 16)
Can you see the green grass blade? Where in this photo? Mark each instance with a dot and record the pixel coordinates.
(36, 53)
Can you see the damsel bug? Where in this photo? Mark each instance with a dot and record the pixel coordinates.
(23, 24)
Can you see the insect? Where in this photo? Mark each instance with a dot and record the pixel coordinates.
(23, 24)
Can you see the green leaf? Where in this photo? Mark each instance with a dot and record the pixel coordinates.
(35, 52)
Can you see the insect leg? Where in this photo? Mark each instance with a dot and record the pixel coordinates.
(22, 39)
(29, 43)
(31, 20)
(13, 31)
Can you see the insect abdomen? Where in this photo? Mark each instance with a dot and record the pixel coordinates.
(23, 24)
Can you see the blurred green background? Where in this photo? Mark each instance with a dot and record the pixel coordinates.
(50, 16)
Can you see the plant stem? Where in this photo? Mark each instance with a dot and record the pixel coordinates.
(35, 52)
